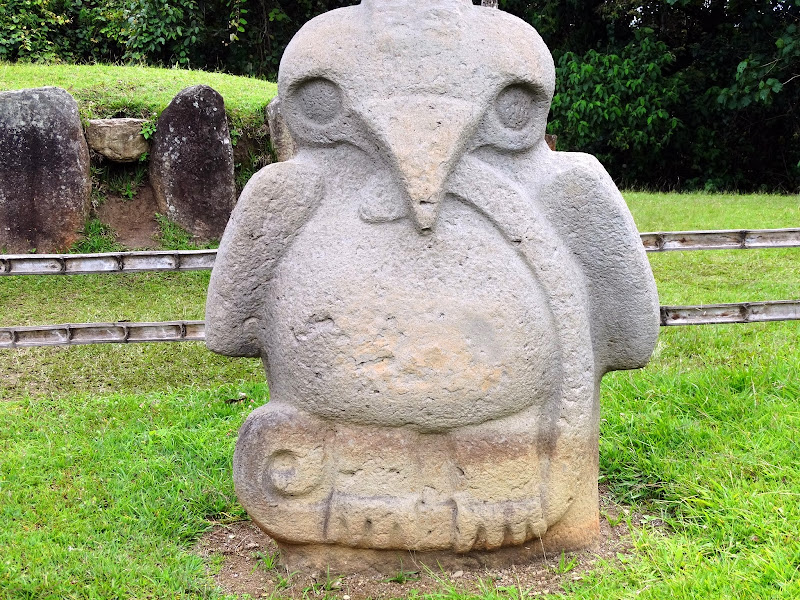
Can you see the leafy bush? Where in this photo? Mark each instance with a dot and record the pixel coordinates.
(28, 29)
(618, 107)
(95, 30)
(161, 30)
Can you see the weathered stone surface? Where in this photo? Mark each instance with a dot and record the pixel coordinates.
(120, 140)
(44, 171)
(282, 141)
(191, 163)
(435, 295)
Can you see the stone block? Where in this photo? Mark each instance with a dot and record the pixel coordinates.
(45, 184)
(119, 140)
(191, 163)
(435, 295)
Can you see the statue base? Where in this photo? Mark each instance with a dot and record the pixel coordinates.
(329, 559)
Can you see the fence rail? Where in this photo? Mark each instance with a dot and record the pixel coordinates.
(74, 334)
(724, 239)
(111, 262)
(742, 312)
(198, 260)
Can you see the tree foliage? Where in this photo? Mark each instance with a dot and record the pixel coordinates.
(672, 94)
(28, 29)
(618, 106)
(731, 88)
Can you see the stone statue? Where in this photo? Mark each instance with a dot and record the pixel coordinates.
(435, 296)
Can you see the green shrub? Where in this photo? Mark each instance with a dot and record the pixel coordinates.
(161, 31)
(96, 30)
(618, 107)
(28, 29)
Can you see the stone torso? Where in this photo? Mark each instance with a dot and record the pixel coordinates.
(375, 323)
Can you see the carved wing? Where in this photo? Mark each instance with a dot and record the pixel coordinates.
(272, 209)
(586, 207)
(578, 229)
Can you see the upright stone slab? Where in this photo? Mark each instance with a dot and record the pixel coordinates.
(435, 295)
(191, 163)
(44, 171)
(282, 141)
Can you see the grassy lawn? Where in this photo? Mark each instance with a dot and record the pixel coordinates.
(104, 91)
(115, 458)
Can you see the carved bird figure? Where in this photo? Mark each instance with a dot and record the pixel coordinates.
(434, 293)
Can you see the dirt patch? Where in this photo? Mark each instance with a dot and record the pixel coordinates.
(244, 560)
(133, 220)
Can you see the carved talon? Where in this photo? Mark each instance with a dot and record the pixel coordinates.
(490, 525)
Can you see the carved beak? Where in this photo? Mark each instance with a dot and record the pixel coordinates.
(424, 137)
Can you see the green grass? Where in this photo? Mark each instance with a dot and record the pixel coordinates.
(706, 277)
(710, 447)
(122, 179)
(172, 236)
(97, 237)
(105, 91)
(682, 212)
(101, 496)
(114, 458)
(139, 368)
(706, 436)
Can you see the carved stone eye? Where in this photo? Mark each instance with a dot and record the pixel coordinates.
(514, 106)
(320, 100)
